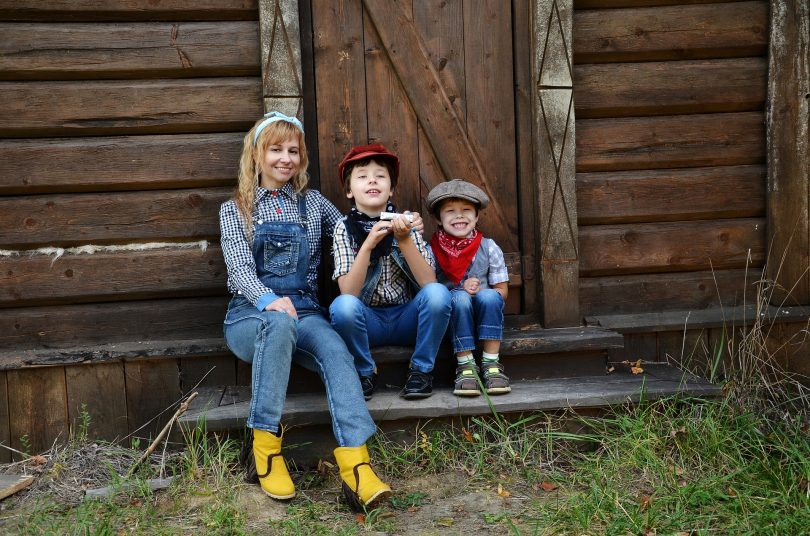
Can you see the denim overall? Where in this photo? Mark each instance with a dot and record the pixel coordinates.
(272, 340)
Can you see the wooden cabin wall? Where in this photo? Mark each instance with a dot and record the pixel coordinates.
(121, 127)
(670, 152)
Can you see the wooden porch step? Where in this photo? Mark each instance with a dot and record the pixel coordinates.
(226, 408)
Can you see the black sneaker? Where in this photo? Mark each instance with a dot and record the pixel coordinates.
(369, 384)
(418, 385)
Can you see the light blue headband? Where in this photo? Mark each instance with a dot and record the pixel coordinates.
(272, 117)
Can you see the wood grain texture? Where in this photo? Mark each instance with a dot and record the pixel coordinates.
(649, 293)
(99, 392)
(204, 371)
(669, 88)
(153, 389)
(688, 349)
(109, 107)
(340, 82)
(554, 158)
(671, 246)
(37, 402)
(280, 38)
(672, 194)
(678, 32)
(103, 164)
(61, 51)
(788, 126)
(124, 10)
(27, 222)
(605, 4)
(5, 435)
(42, 279)
(670, 141)
(91, 324)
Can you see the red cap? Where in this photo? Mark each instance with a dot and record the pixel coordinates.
(376, 151)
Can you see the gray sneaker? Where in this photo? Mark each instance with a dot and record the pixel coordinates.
(495, 381)
(466, 383)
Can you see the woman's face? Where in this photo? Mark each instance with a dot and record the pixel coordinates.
(280, 164)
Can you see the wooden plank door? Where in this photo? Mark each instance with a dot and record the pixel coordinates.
(433, 81)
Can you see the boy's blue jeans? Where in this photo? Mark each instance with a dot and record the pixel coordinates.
(481, 315)
(421, 322)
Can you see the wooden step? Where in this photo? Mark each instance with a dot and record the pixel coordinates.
(226, 408)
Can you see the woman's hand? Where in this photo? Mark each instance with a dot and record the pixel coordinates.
(472, 286)
(283, 305)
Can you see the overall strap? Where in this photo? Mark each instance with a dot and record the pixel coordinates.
(302, 208)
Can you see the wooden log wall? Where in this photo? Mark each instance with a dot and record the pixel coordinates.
(121, 127)
(670, 152)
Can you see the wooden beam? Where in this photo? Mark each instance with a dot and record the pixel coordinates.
(788, 127)
(671, 194)
(671, 246)
(123, 10)
(102, 164)
(670, 87)
(280, 38)
(722, 30)
(49, 51)
(554, 161)
(28, 222)
(675, 141)
(115, 107)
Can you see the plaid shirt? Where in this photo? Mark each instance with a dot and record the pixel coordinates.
(272, 206)
(393, 287)
(498, 272)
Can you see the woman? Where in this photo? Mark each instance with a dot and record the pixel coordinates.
(271, 239)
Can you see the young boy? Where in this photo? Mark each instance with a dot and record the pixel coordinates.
(473, 268)
(385, 271)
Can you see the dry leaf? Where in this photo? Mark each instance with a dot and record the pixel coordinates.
(731, 492)
(682, 483)
(502, 492)
(39, 459)
(636, 369)
(678, 431)
(611, 369)
(413, 509)
(467, 435)
(446, 521)
(548, 486)
(644, 501)
(360, 518)
(649, 532)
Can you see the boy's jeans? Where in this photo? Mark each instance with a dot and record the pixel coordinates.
(421, 322)
(267, 339)
(481, 314)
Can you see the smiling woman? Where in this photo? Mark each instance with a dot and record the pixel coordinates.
(271, 239)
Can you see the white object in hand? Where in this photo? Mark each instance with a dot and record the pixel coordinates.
(393, 215)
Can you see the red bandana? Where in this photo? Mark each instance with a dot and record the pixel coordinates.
(454, 255)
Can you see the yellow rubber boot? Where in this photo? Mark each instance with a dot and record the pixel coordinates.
(270, 465)
(361, 485)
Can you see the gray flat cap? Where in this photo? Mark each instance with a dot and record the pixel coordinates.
(457, 189)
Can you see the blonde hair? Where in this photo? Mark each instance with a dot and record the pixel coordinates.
(250, 166)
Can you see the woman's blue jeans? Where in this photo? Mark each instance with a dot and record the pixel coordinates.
(271, 340)
(421, 322)
(474, 318)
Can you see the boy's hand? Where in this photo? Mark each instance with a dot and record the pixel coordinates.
(380, 230)
(283, 305)
(417, 222)
(472, 286)
(402, 228)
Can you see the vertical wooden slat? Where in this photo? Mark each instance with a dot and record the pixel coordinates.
(152, 388)
(340, 85)
(280, 38)
(526, 183)
(99, 390)
(554, 161)
(37, 400)
(5, 435)
(686, 348)
(788, 130)
(206, 372)
(489, 83)
(391, 120)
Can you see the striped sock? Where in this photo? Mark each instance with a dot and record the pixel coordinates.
(465, 359)
(489, 358)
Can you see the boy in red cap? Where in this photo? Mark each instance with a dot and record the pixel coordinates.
(386, 274)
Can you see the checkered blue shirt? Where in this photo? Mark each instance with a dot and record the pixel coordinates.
(272, 206)
(498, 273)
